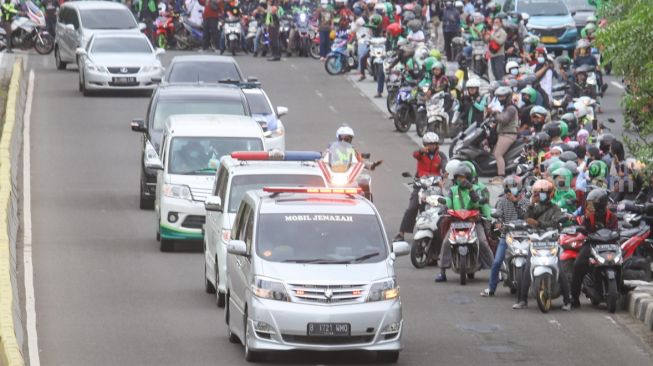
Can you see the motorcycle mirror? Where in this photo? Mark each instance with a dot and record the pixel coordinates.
(405, 175)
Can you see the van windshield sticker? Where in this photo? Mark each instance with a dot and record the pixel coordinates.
(339, 218)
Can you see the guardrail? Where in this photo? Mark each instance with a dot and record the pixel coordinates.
(11, 333)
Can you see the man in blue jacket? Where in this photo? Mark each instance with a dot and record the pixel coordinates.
(450, 26)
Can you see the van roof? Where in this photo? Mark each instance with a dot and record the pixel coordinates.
(94, 5)
(318, 203)
(213, 125)
(270, 167)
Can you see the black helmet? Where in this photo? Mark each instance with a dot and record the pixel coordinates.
(541, 140)
(571, 120)
(598, 197)
(568, 156)
(553, 129)
(605, 141)
(463, 170)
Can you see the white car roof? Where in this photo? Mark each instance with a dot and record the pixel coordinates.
(213, 125)
(269, 167)
(94, 5)
(299, 203)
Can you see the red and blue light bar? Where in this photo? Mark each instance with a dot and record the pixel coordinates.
(277, 155)
(320, 190)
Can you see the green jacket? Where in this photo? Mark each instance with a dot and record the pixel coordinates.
(8, 11)
(460, 199)
(565, 199)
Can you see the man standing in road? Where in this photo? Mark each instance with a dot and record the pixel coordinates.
(496, 43)
(450, 27)
(8, 13)
(324, 16)
(272, 22)
(148, 16)
(212, 10)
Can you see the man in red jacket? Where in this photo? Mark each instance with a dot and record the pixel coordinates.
(430, 161)
(213, 10)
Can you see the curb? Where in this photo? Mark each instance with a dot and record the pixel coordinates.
(640, 302)
(10, 348)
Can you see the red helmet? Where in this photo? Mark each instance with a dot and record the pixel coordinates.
(394, 29)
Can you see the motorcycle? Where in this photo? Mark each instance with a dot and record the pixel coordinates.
(439, 119)
(464, 243)
(472, 144)
(392, 84)
(165, 29)
(189, 35)
(284, 33)
(516, 254)
(252, 28)
(427, 239)
(571, 241)
(29, 31)
(604, 280)
(302, 39)
(410, 107)
(314, 36)
(341, 59)
(342, 168)
(232, 31)
(544, 250)
(377, 55)
(637, 249)
(478, 62)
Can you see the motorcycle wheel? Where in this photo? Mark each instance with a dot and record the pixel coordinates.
(421, 124)
(419, 252)
(334, 65)
(390, 102)
(471, 275)
(453, 143)
(305, 48)
(162, 41)
(613, 295)
(232, 47)
(45, 45)
(543, 296)
(462, 263)
(401, 121)
(315, 51)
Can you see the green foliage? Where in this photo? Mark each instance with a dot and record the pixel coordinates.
(627, 42)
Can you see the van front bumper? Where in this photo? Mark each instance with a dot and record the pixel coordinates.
(181, 219)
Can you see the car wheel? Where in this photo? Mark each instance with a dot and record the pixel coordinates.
(208, 286)
(250, 355)
(145, 203)
(85, 91)
(167, 245)
(57, 60)
(220, 296)
(232, 337)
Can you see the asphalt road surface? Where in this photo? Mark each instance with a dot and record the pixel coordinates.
(106, 295)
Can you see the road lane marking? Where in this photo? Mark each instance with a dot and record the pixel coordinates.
(618, 85)
(556, 323)
(319, 94)
(333, 109)
(30, 302)
(612, 320)
(292, 66)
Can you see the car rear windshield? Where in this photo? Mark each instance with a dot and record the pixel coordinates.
(258, 103)
(107, 19)
(542, 7)
(243, 183)
(320, 238)
(204, 72)
(121, 45)
(201, 155)
(167, 108)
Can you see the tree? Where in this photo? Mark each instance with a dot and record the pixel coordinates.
(627, 42)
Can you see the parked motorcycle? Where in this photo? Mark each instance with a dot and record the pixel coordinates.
(544, 250)
(514, 262)
(232, 32)
(341, 59)
(302, 38)
(440, 120)
(464, 243)
(165, 30)
(189, 35)
(29, 31)
(636, 246)
(604, 281)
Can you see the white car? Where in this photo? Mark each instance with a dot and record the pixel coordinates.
(268, 116)
(119, 62)
(190, 153)
(237, 175)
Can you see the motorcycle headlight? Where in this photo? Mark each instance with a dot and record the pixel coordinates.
(387, 289)
(269, 289)
(425, 88)
(302, 17)
(177, 191)
(339, 179)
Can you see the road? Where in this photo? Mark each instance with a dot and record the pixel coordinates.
(106, 295)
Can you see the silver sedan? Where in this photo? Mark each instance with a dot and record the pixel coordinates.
(119, 62)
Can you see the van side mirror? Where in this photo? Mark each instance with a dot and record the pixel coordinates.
(400, 248)
(282, 111)
(80, 51)
(213, 203)
(159, 51)
(70, 27)
(138, 125)
(151, 159)
(142, 26)
(237, 247)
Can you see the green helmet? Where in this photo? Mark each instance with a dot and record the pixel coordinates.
(562, 177)
(555, 166)
(592, 19)
(588, 30)
(429, 62)
(389, 9)
(438, 65)
(435, 53)
(532, 93)
(564, 129)
(598, 169)
(376, 20)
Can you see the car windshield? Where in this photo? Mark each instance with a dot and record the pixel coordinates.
(243, 183)
(320, 238)
(201, 155)
(205, 72)
(542, 7)
(167, 108)
(258, 103)
(576, 5)
(121, 45)
(107, 19)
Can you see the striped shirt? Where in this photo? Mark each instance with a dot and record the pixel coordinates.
(508, 211)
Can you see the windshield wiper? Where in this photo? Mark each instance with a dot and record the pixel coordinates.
(365, 257)
(198, 171)
(316, 261)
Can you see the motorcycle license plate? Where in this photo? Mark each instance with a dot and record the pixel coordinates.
(329, 329)
(549, 39)
(607, 247)
(461, 225)
(124, 80)
(232, 37)
(544, 244)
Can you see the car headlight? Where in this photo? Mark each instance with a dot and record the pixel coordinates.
(177, 191)
(302, 17)
(95, 67)
(384, 290)
(269, 289)
(156, 67)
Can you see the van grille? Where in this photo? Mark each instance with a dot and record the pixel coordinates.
(327, 294)
(194, 222)
(327, 340)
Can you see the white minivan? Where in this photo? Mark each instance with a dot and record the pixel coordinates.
(186, 164)
(79, 20)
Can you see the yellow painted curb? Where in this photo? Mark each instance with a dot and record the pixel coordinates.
(10, 351)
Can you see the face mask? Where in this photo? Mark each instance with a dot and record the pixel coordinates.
(514, 72)
(495, 27)
(514, 191)
(544, 196)
(540, 60)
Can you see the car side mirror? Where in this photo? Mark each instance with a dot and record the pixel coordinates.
(70, 27)
(142, 27)
(80, 51)
(138, 125)
(400, 248)
(405, 175)
(213, 203)
(282, 111)
(151, 159)
(237, 247)
(159, 51)
(252, 79)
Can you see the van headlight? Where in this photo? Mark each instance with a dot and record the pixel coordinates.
(269, 289)
(383, 290)
(177, 191)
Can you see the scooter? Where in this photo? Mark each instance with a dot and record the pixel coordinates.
(232, 32)
(29, 31)
(478, 62)
(438, 117)
(544, 250)
(637, 249)
(571, 241)
(604, 281)
(341, 168)
(341, 59)
(165, 29)
(392, 85)
(284, 33)
(464, 243)
(472, 144)
(302, 39)
(514, 262)
(427, 238)
(189, 35)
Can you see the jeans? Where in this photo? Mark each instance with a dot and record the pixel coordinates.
(498, 67)
(362, 51)
(410, 216)
(581, 266)
(325, 42)
(210, 34)
(496, 265)
(257, 38)
(380, 80)
(223, 39)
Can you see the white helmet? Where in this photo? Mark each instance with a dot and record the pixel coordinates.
(581, 110)
(459, 4)
(398, 9)
(344, 131)
(431, 138)
(473, 83)
(451, 167)
(511, 65)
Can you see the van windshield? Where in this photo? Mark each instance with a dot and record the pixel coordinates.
(320, 238)
(107, 19)
(167, 108)
(243, 183)
(201, 155)
(542, 7)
